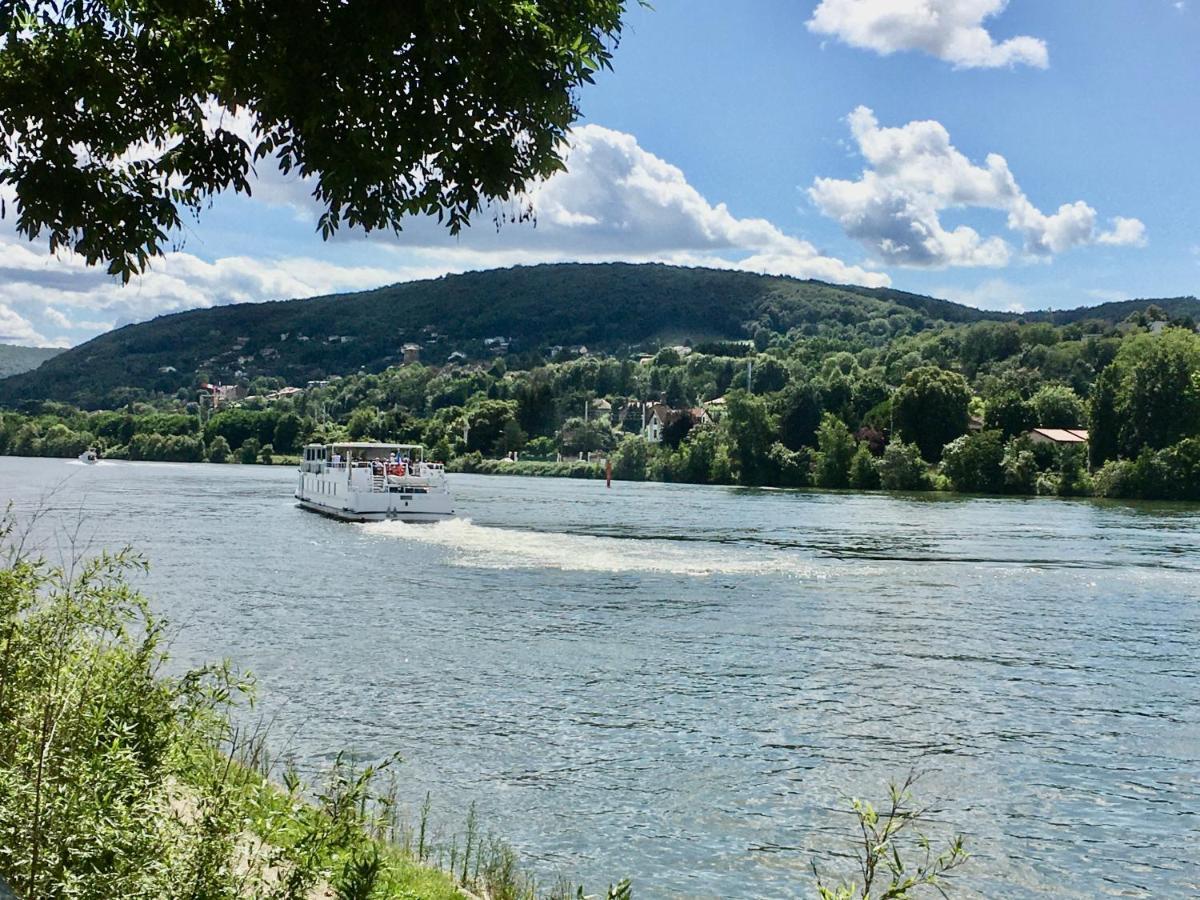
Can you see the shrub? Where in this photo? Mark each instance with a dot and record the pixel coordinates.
(266, 455)
(792, 467)
(1020, 467)
(973, 463)
(218, 450)
(902, 468)
(863, 474)
(248, 453)
(630, 459)
(831, 465)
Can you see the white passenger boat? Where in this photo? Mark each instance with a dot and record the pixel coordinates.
(89, 456)
(371, 482)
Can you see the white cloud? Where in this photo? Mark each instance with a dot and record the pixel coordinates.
(951, 30)
(72, 299)
(616, 202)
(16, 329)
(914, 174)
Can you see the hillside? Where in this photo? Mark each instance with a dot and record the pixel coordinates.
(14, 359)
(606, 307)
(1118, 310)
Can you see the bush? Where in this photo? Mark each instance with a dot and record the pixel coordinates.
(540, 448)
(973, 463)
(248, 453)
(902, 468)
(1057, 406)
(1114, 479)
(831, 465)
(218, 450)
(630, 459)
(266, 455)
(1169, 474)
(792, 467)
(863, 474)
(1020, 467)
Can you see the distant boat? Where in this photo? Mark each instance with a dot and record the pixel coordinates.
(371, 482)
(89, 456)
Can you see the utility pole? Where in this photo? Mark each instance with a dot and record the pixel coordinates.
(750, 376)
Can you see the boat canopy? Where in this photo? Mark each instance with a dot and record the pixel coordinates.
(360, 449)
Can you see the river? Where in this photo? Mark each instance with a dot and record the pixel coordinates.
(682, 684)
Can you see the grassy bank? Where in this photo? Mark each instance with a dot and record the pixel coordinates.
(120, 780)
(474, 464)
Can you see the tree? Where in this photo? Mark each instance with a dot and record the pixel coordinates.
(1057, 406)
(1104, 422)
(249, 452)
(488, 421)
(675, 431)
(750, 431)
(218, 450)
(578, 436)
(973, 463)
(630, 458)
(835, 450)
(799, 409)
(930, 408)
(1010, 414)
(901, 468)
(123, 115)
(1149, 396)
(1020, 467)
(1160, 394)
(864, 475)
(287, 433)
(364, 424)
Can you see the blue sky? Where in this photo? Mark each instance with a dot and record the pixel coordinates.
(1015, 156)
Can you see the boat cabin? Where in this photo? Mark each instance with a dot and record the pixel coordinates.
(366, 480)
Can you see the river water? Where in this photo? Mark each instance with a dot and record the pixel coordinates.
(682, 684)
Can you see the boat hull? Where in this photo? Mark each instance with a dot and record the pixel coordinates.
(350, 515)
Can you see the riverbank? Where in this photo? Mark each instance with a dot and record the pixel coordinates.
(476, 465)
(117, 780)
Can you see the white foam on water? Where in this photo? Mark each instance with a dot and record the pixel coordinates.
(485, 547)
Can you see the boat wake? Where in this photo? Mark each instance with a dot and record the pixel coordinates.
(485, 547)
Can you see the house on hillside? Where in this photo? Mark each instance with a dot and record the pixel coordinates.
(456, 357)
(1060, 436)
(224, 393)
(412, 353)
(659, 417)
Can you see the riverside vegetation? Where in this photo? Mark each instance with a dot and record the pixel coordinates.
(894, 403)
(120, 780)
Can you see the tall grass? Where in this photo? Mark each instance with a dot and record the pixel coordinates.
(119, 780)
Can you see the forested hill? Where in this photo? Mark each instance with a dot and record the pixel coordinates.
(605, 307)
(14, 360)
